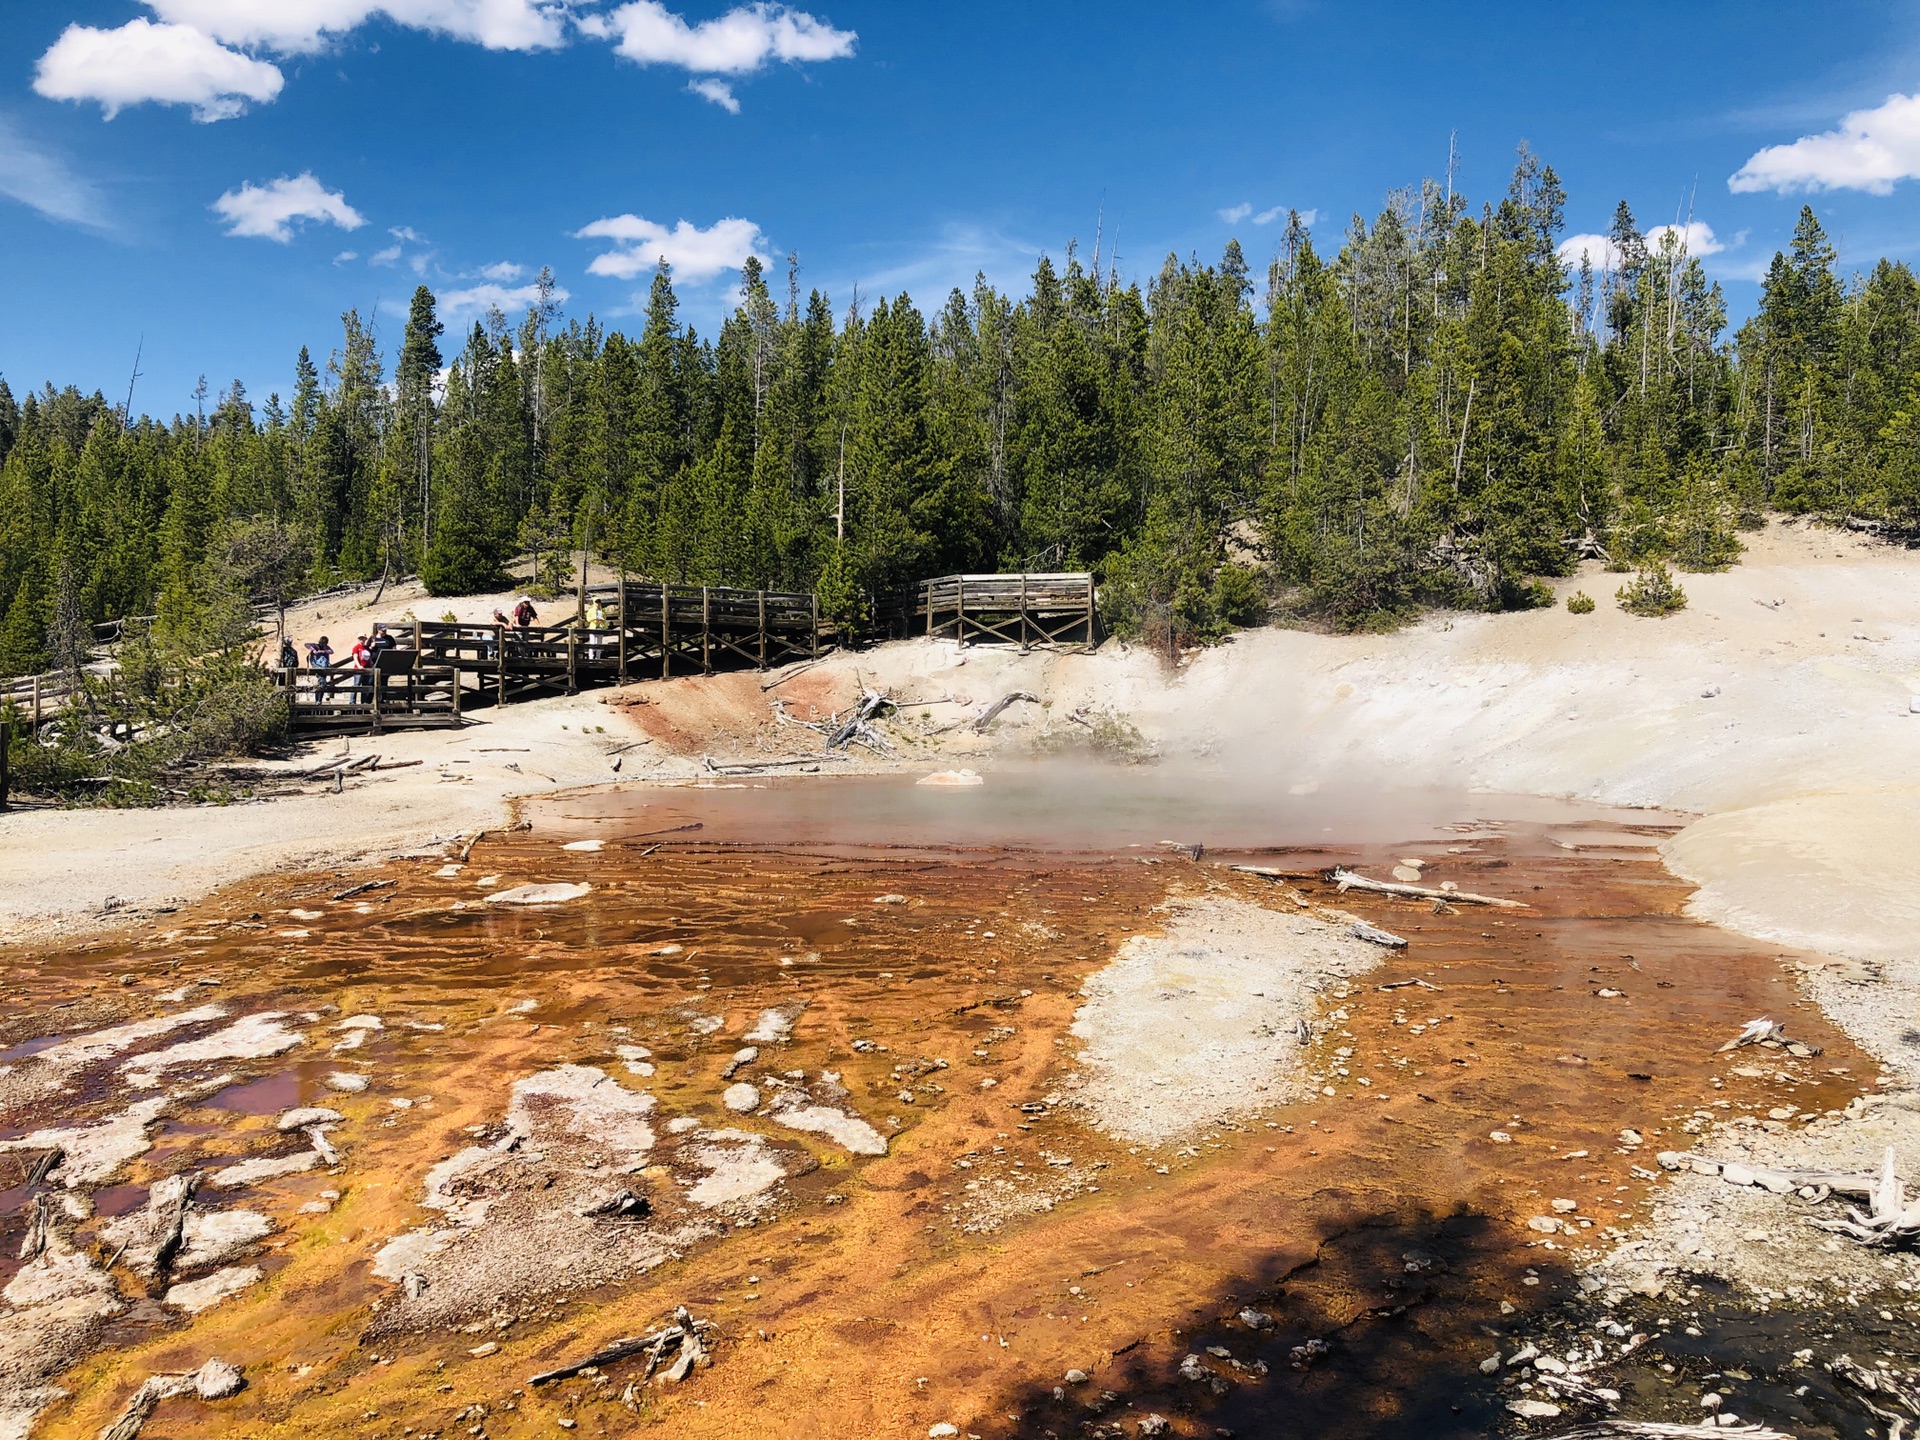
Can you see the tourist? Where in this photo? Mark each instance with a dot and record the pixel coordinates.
(524, 613)
(362, 662)
(320, 657)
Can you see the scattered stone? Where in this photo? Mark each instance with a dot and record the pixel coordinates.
(347, 1081)
(252, 1172)
(741, 1059)
(1533, 1409)
(304, 1115)
(741, 1098)
(775, 1025)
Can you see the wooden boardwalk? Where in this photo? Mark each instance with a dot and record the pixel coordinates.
(651, 631)
(1023, 610)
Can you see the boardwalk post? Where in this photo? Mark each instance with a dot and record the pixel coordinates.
(1089, 612)
(36, 705)
(1023, 612)
(500, 655)
(960, 610)
(666, 631)
(623, 625)
(763, 629)
(926, 593)
(6, 748)
(573, 661)
(816, 626)
(456, 697)
(706, 629)
(377, 681)
(419, 648)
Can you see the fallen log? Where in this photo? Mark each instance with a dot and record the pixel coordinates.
(684, 1329)
(1267, 872)
(1348, 880)
(871, 704)
(365, 886)
(1771, 1034)
(747, 767)
(992, 712)
(214, 1380)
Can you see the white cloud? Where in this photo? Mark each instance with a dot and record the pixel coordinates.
(42, 180)
(736, 43)
(505, 272)
(1598, 250)
(167, 64)
(1234, 214)
(1279, 212)
(268, 211)
(292, 27)
(345, 256)
(718, 91)
(694, 254)
(479, 299)
(1603, 254)
(1869, 150)
(388, 256)
(1696, 236)
(407, 233)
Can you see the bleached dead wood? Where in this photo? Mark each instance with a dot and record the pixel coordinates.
(1878, 1383)
(684, 1331)
(992, 712)
(1348, 880)
(214, 1380)
(747, 767)
(362, 888)
(1267, 872)
(37, 1230)
(1888, 1219)
(1769, 1033)
(872, 702)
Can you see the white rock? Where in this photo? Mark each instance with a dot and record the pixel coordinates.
(252, 1172)
(585, 847)
(942, 1431)
(196, 1295)
(304, 1115)
(348, 1081)
(741, 1098)
(1533, 1409)
(538, 894)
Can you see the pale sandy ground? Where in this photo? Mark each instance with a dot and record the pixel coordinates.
(1776, 707)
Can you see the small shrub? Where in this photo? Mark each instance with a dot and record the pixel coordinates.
(1580, 603)
(1653, 593)
(449, 618)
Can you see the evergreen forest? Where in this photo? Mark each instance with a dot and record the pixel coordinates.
(1436, 413)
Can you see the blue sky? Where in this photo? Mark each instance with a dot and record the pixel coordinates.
(218, 179)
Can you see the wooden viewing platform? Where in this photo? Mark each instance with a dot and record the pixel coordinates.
(1024, 609)
(652, 631)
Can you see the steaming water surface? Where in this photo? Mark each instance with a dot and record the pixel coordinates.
(1067, 807)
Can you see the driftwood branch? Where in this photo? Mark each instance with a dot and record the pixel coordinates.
(364, 887)
(685, 1331)
(1348, 880)
(992, 712)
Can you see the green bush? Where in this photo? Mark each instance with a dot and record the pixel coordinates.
(1653, 593)
(1580, 603)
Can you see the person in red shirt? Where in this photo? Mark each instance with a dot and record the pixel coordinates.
(363, 662)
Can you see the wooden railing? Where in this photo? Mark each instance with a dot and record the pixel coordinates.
(1024, 609)
(395, 695)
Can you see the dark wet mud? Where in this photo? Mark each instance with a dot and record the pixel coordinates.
(1336, 1266)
